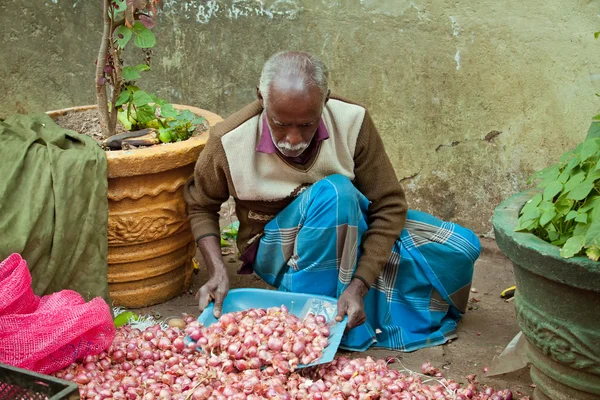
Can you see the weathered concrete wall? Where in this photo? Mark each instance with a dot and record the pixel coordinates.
(470, 96)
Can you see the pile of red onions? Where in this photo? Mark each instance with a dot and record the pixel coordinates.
(157, 364)
(255, 338)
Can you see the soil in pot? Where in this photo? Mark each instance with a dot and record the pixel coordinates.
(87, 122)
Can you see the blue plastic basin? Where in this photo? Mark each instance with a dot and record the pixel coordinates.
(243, 299)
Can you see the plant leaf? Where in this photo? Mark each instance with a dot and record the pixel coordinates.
(592, 236)
(593, 252)
(563, 206)
(123, 98)
(130, 74)
(593, 176)
(123, 35)
(147, 21)
(574, 181)
(145, 113)
(565, 157)
(142, 67)
(526, 225)
(594, 130)
(531, 214)
(596, 34)
(168, 111)
(552, 190)
(589, 148)
(560, 241)
(572, 246)
(119, 7)
(581, 191)
(124, 120)
(573, 162)
(547, 216)
(141, 98)
(546, 175)
(581, 229)
(546, 205)
(564, 177)
(553, 235)
(532, 203)
(571, 215)
(186, 115)
(144, 37)
(590, 203)
(582, 217)
(552, 170)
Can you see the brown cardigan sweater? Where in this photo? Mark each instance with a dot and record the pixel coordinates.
(212, 185)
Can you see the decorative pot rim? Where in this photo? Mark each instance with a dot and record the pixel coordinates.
(526, 249)
(153, 159)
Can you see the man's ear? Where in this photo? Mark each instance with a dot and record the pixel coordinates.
(260, 97)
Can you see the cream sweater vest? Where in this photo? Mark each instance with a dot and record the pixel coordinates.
(267, 177)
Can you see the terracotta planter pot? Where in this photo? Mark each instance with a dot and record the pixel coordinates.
(150, 244)
(558, 309)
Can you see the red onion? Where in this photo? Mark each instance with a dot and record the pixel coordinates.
(239, 361)
(82, 379)
(274, 344)
(164, 343)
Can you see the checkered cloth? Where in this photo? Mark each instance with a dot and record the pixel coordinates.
(313, 246)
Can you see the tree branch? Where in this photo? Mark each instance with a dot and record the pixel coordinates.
(101, 94)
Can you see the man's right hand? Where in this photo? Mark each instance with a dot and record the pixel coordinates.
(218, 284)
(214, 290)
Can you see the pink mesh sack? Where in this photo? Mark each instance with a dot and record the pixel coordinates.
(49, 333)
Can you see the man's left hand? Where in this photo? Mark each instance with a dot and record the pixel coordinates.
(351, 303)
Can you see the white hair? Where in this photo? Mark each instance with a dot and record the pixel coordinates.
(310, 69)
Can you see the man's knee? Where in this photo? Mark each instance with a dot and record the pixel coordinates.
(338, 187)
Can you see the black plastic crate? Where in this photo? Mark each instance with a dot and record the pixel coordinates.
(21, 384)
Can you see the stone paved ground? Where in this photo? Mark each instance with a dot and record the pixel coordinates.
(482, 334)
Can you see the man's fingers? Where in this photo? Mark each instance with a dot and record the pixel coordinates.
(205, 298)
(341, 311)
(355, 318)
(218, 307)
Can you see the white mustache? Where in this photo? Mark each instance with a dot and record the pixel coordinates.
(289, 147)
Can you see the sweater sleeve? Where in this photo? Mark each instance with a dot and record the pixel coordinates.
(376, 179)
(207, 190)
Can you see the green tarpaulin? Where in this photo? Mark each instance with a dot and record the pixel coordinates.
(53, 205)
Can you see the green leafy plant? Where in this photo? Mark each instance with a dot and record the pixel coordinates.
(119, 98)
(567, 212)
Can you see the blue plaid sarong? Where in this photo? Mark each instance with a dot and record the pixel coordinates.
(313, 245)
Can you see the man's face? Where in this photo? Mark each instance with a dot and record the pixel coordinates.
(293, 115)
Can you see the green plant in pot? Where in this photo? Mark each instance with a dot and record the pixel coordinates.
(147, 118)
(552, 235)
(152, 146)
(567, 212)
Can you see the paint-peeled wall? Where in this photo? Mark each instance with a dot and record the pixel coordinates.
(469, 96)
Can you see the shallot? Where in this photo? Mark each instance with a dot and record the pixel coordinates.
(277, 337)
(248, 364)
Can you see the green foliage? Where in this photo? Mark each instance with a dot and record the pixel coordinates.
(567, 212)
(594, 130)
(123, 35)
(140, 110)
(144, 37)
(133, 73)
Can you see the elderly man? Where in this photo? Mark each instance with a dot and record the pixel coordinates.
(321, 212)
